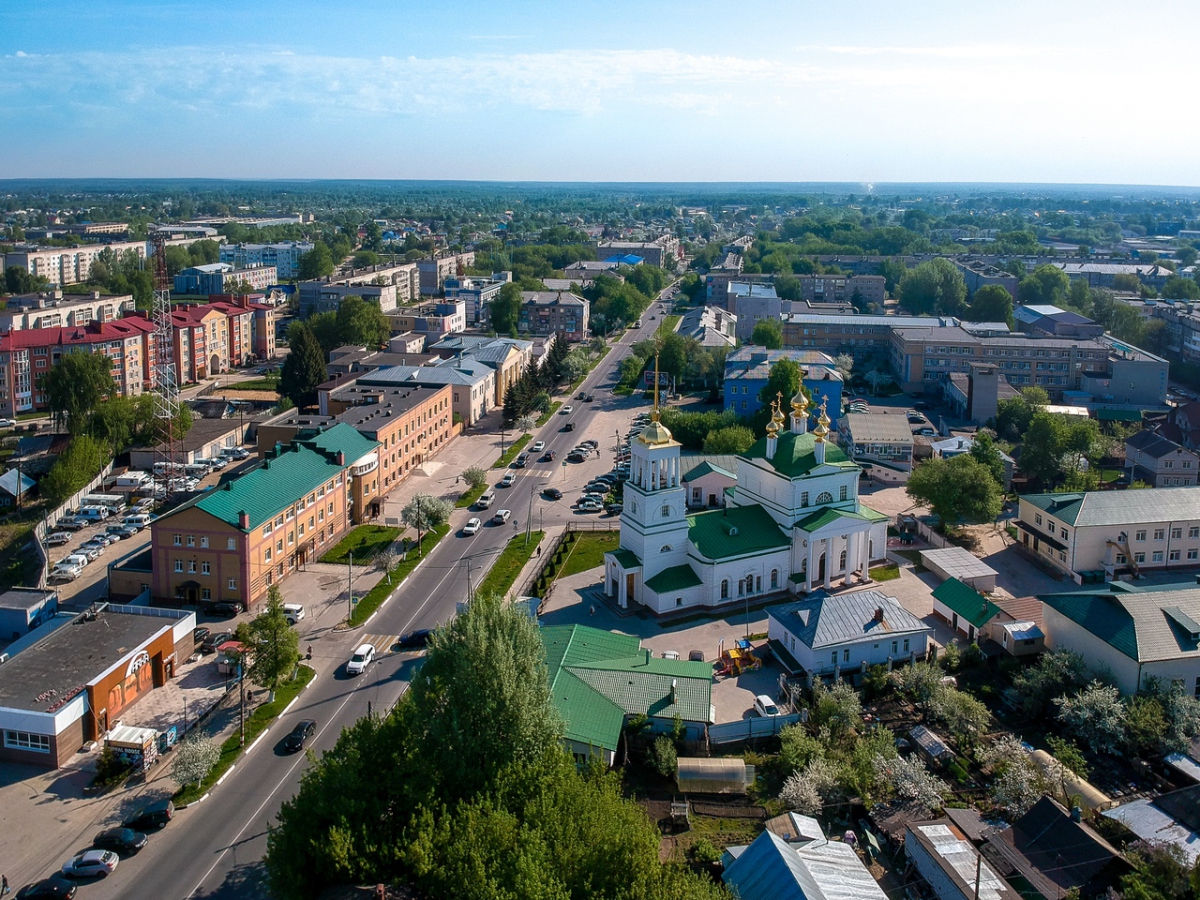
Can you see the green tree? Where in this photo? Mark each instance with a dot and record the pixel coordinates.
(304, 369)
(19, 281)
(360, 323)
(767, 333)
(1180, 288)
(985, 452)
(1095, 717)
(957, 490)
(1013, 416)
(276, 646)
(784, 379)
(1042, 447)
(505, 308)
(474, 476)
(1046, 284)
(1055, 674)
(84, 458)
(732, 440)
(991, 303)
(316, 263)
(76, 387)
(324, 327)
(936, 286)
(1079, 297)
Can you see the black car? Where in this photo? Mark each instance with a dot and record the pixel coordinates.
(48, 887)
(552, 493)
(570, 426)
(418, 638)
(200, 635)
(548, 456)
(213, 641)
(588, 399)
(152, 815)
(223, 609)
(575, 457)
(294, 742)
(123, 841)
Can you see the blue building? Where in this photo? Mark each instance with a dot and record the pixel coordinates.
(747, 370)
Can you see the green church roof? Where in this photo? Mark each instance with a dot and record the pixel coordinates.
(795, 457)
(735, 531)
(676, 578)
(966, 601)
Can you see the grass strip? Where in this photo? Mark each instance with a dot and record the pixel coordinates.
(588, 552)
(668, 325)
(372, 600)
(254, 384)
(256, 724)
(364, 541)
(545, 417)
(511, 453)
(889, 572)
(508, 565)
(470, 496)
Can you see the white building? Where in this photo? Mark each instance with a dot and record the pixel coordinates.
(793, 522)
(284, 256)
(68, 265)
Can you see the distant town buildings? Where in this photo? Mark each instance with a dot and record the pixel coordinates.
(61, 266)
(221, 277)
(284, 256)
(559, 312)
(54, 309)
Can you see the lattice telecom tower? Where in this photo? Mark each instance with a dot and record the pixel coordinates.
(166, 388)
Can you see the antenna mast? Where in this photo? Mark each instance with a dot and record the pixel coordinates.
(166, 388)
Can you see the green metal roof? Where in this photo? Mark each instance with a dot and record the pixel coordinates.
(872, 515)
(627, 558)
(676, 578)
(1101, 614)
(735, 531)
(794, 455)
(966, 601)
(598, 677)
(704, 469)
(303, 466)
(823, 517)
(1119, 415)
(1064, 507)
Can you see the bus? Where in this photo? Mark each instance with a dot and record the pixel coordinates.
(112, 502)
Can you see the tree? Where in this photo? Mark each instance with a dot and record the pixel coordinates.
(425, 512)
(767, 333)
(1042, 447)
(83, 460)
(316, 263)
(384, 561)
(985, 452)
(194, 759)
(276, 644)
(1046, 285)
(991, 303)
(18, 280)
(878, 379)
(76, 387)
(936, 286)
(784, 380)
(360, 323)
(474, 476)
(575, 366)
(304, 369)
(1067, 758)
(505, 308)
(1016, 782)
(806, 791)
(957, 490)
(797, 748)
(525, 423)
(732, 440)
(662, 757)
(1095, 717)
(1054, 674)
(1180, 288)
(1013, 416)
(912, 781)
(963, 715)
(845, 365)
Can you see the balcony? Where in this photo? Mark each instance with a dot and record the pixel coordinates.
(365, 466)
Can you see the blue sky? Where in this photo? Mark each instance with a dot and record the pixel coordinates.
(597, 91)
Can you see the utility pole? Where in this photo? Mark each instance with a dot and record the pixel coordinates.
(978, 871)
(242, 704)
(350, 584)
(529, 519)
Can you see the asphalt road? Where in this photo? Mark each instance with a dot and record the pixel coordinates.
(215, 849)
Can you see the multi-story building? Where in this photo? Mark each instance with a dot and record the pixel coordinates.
(434, 320)
(560, 312)
(1098, 535)
(68, 265)
(477, 293)
(54, 309)
(1160, 462)
(585, 271)
(234, 542)
(435, 271)
(284, 256)
(219, 277)
(411, 422)
(324, 296)
(720, 274)
(747, 371)
(200, 342)
(977, 274)
(711, 326)
(858, 336)
(254, 328)
(1110, 371)
(27, 355)
(842, 288)
(1099, 274)
(663, 251)
(403, 277)
(508, 357)
(472, 385)
(752, 303)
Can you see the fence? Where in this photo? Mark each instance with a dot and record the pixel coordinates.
(554, 556)
(749, 729)
(932, 536)
(52, 518)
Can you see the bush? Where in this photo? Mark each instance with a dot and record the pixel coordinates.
(662, 757)
(705, 852)
(797, 748)
(109, 767)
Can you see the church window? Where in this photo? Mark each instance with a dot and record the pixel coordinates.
(804, 498)
(842, 562)
(633, 506)
(666, 548)
(724, 588)
(845, 490)
(824, 497)
(774, 579)
(741, 587)
(666, 511)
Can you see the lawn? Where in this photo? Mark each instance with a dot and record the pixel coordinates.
(256, 724)
(885, 573)
(668, 325)
(374, 597)
(470, 496)
(254, 384)
(511, 453)
(545, 417)
(508, 565)
(364, 541)
(588, 551)
(18, 563)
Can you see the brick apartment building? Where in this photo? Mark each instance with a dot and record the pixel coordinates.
(841, 288)
(554, 312)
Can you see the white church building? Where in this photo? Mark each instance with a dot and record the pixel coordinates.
(792, 523)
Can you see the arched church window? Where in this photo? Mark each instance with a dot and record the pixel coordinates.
(666, 548)
(825, 497)
(724, 588)
(633, 506)
(842, 560)
(774, 579)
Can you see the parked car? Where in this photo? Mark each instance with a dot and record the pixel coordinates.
(360, 659)
(696, 656)
(304, 729)
(70, 523)
(552, 494)
(62, 573)
(56, 887)
(122, 841)
(223, 609)
(473, 525)
(575, 456)
(293, 612)
(925, 432)
(614, 509)
(57, 537)
(502, 516)
(418, 638)
(199, 634)
(8, 423)
(90, 863)
(152, 815)
(539, 446)
(128, 531)
(508, 480)
(91, 551)
(765, 706)
(214, 640)
(592, 444)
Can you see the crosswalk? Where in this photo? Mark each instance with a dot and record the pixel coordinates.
(383, 643)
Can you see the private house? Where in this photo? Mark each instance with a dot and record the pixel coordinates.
(598, 678)
(771, 868)
(882, 444)
(1172, 818)
(951, 865)
(1160, 462)
(828, 635)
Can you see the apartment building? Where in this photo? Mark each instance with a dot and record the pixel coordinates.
(54, 309)
(663, 251)
(477, 293)
(28, 354)
(435, 271)
(747, 371)
(858, 336)
(752, 303)
(219, 277)
(1101, 274)
(554, 312)
(411, 423)
(1095, 536)
(254, 327)
(68, 265)
(842, 288)
(1110, 371)
(507, 357)
(977, 274)
(1160, 462)
(284, 256)
(711, 326)
(325, 296)
(200, 342)
(723, 271)
(234, 542)
(433, 320)
(403, 277)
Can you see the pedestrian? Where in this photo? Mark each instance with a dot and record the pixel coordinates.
(539, 549)
(3, 884)
(593, 609)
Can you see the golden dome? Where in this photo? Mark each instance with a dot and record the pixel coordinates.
(800, 403)
(823, 420)
(655, 433)
(822, 430)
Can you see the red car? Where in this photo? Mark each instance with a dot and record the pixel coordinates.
(548, 456)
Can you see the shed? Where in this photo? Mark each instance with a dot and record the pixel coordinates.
(719, 775)
(956, 562)
(796, 828)
(967, 610)
(930, 745)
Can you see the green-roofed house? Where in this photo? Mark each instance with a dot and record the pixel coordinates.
(1135, 632)
(967, 610)
(792, 522)
(599, 678)
(234, 541)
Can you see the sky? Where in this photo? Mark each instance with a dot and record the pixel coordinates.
(1052, 91)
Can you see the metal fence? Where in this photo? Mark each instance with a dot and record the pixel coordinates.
(749, 729)
(47, 524)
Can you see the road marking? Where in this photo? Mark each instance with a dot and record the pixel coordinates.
(381, 642)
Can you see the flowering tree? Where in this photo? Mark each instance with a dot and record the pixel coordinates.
(912, 781)
(1016, 782)
(806, 791)
(194, 759)
(525, 423)
(1095, 716)
(962, 714)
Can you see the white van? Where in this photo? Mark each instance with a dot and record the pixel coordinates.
(488, 498)
(92, 513)
(141, 520)
(75, 559)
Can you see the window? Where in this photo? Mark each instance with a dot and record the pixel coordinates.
(833, 658)
(1037, 520)
(666, 511)
(178, 541)
(24, 740)
(203, 540)
(1139, 535)
(725, 589)
(774, 579)
(1193, 554)
(179, 565)
(191, 567)
(1121, 559)
(1176, 533)
(205, 594)
(1139, 557)
(230, 544)
(843, 493)
(1157, 556)
(267, 530)
(665, 548)
(1050, 528)
(824, 497)
(233, 584)
(895, 644)
(906, 645)
(1168, 464)
(846, 655)
(679, 601)
(1173, 556)
(1159, 533)
(267, 555)
(191, 540)
(205, 568)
